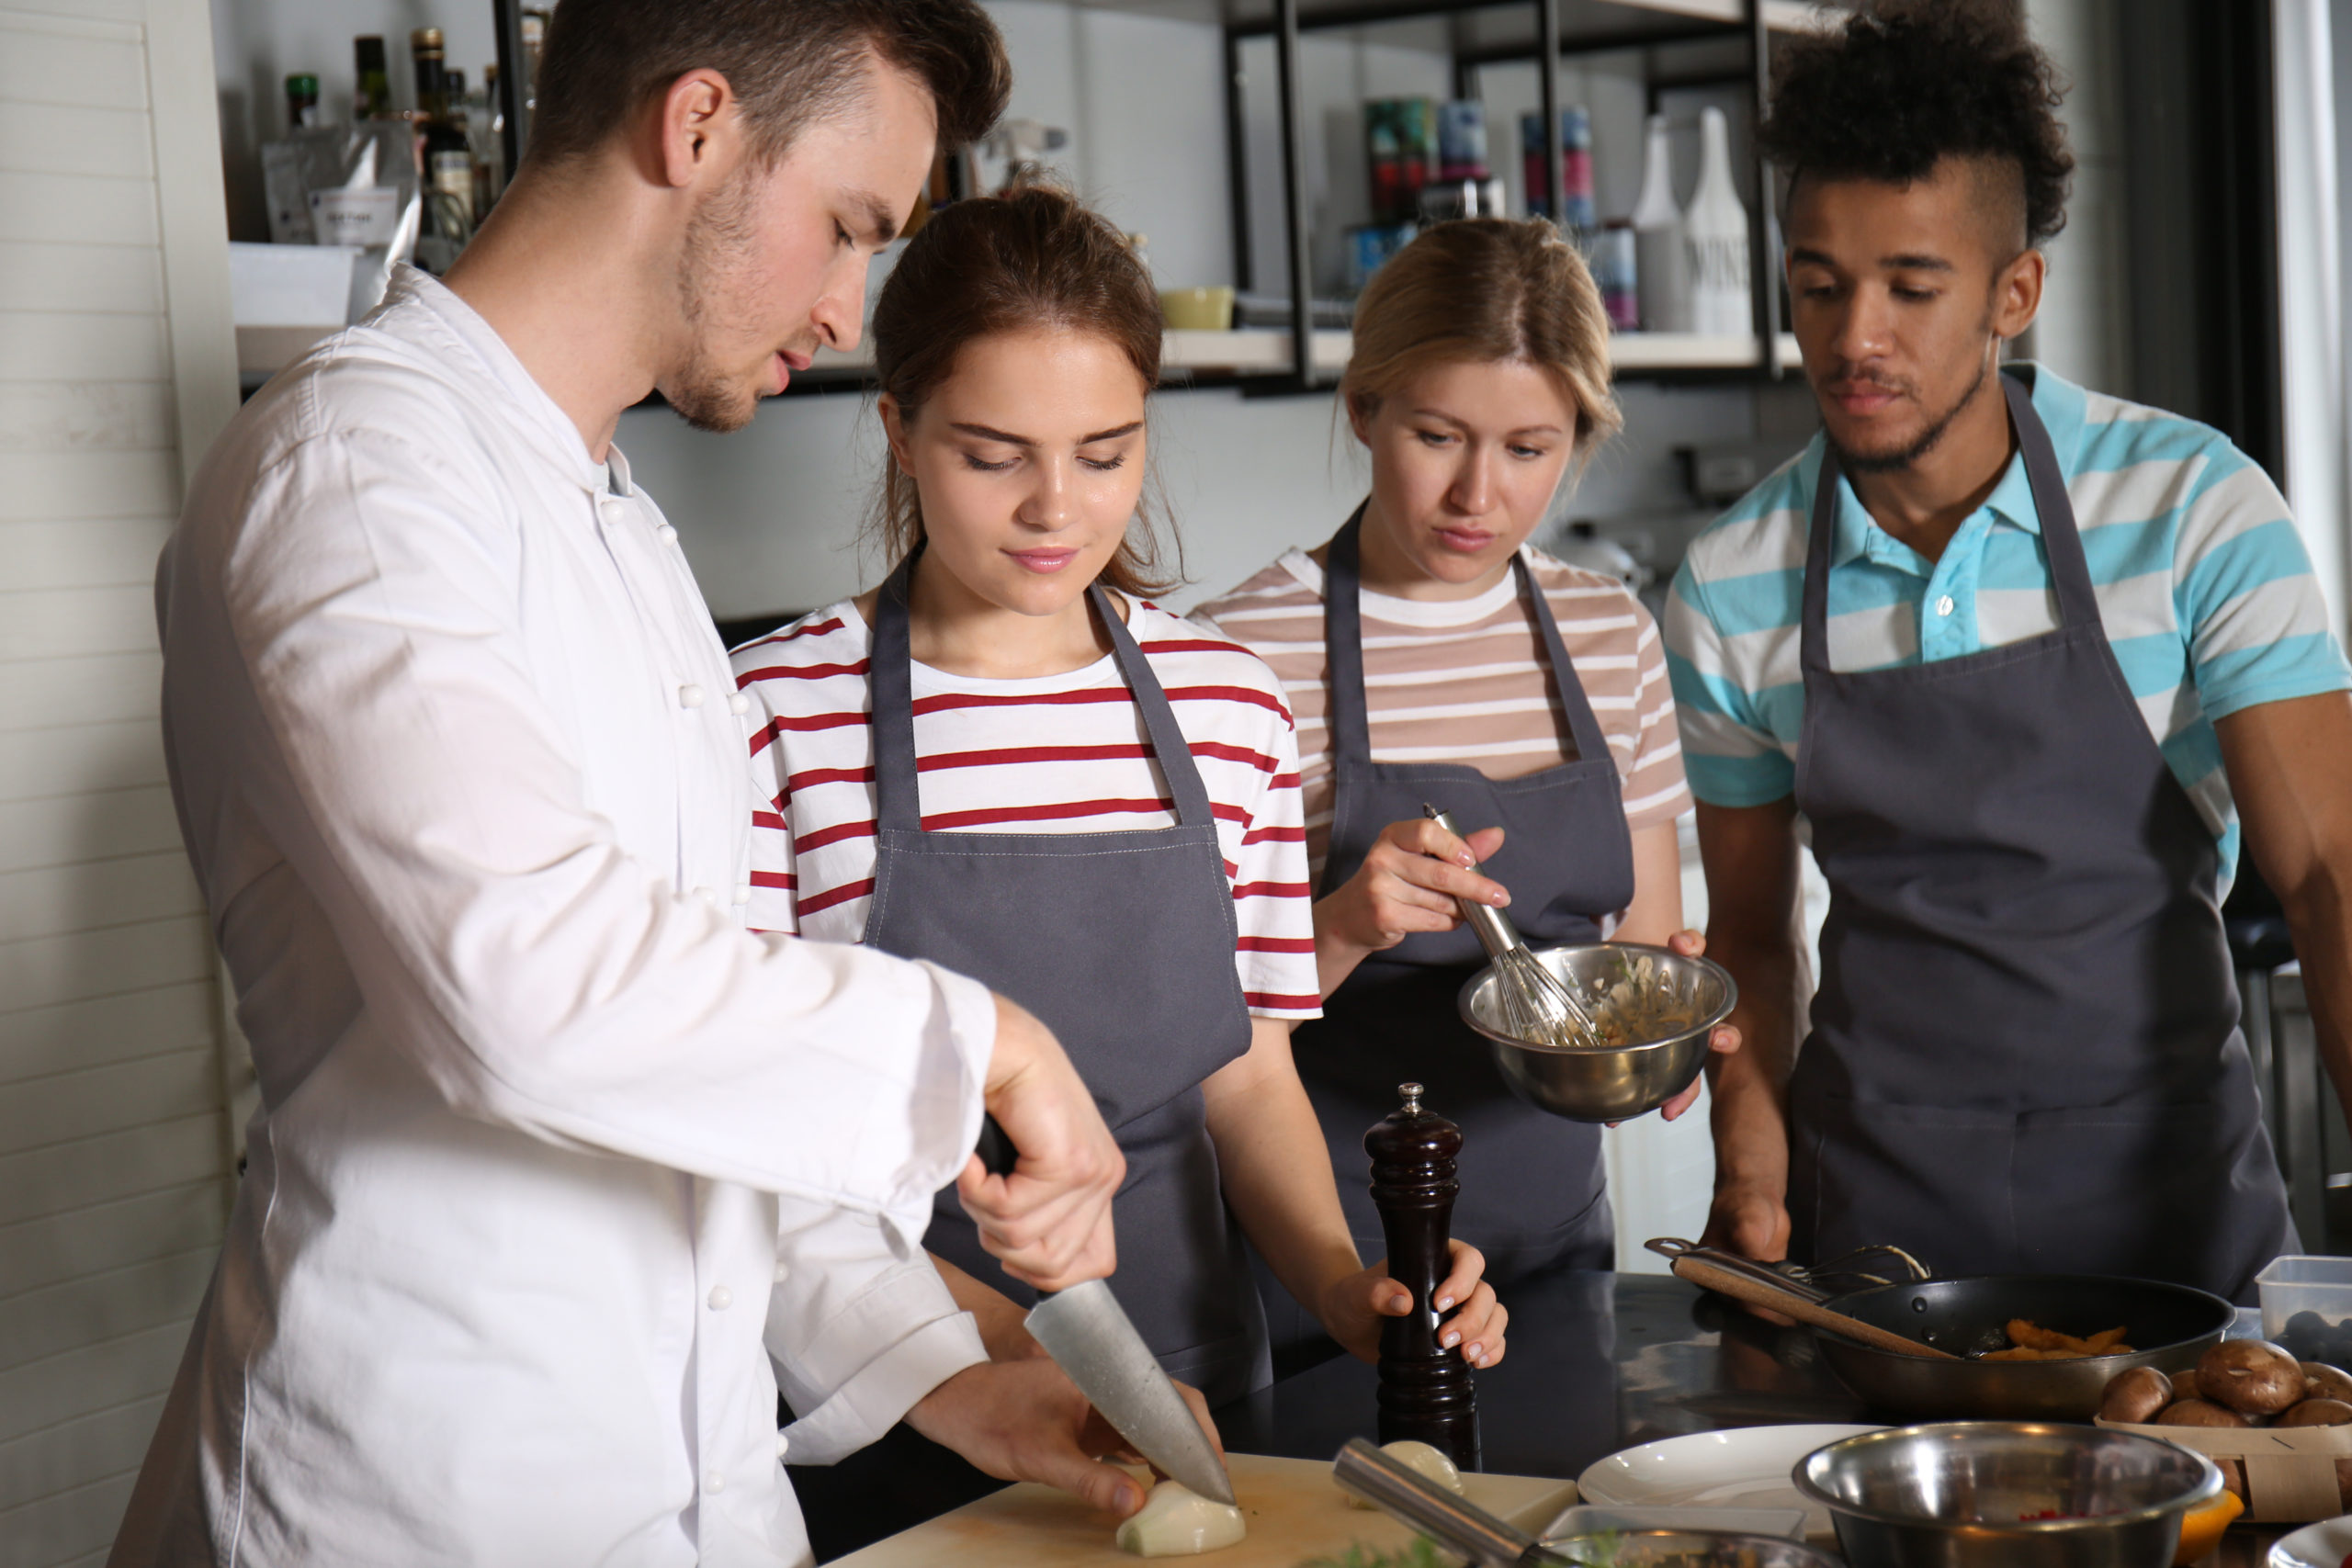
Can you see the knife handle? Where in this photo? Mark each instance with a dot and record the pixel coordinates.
(997, 1155)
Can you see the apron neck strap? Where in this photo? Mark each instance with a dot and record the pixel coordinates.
(898, 801)
(2062, 541)
(1343, 652)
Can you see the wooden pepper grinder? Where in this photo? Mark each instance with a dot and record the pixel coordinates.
(1425, 1389)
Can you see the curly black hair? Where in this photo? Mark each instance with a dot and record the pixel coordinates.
(1905, 84)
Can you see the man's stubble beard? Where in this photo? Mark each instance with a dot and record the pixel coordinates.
(719, 237)
(1926, 441)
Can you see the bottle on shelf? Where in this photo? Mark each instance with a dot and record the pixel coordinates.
(301, 102)
(1616, 272)
(443, 156)
(1578, 212)
(373, 98)
(1662, 260)
(1715, 229)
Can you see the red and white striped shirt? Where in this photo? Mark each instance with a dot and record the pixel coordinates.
(1065, 753)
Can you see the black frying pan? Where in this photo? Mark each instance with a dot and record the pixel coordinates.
(2168, 1326)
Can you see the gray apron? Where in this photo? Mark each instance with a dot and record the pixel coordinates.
(2025, 1054)
(1533, 1191)
(1123, 944)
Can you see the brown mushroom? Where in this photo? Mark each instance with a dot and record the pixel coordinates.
(2184, 1384)
(2233, 1476)
(2199, 1413)
(2324, 1381)
(2251, 1377)
(2316, 1412)
(2343, 1483)
(2136, 1396)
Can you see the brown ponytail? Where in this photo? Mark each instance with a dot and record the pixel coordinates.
(1030, 257)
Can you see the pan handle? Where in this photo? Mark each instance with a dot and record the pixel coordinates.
(1731, 1263)
(1455, 1522)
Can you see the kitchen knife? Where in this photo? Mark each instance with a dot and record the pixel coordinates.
(1086, 1331)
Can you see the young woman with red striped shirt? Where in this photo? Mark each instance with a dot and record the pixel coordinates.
(1008, 762)
(1431, 657)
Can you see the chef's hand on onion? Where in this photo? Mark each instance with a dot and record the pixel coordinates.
(1353, 1308)
(1049, 1222)
(1026, 1421)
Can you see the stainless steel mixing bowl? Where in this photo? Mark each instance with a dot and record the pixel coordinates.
(2017, 1493)
(1684, 1549)
(1605, 1083)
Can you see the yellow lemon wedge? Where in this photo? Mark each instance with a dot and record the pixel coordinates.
(2200, 1529)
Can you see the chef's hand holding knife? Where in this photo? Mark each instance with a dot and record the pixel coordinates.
(1049, 1220)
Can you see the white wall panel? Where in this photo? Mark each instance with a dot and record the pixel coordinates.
(95, 690)
(65, 275)
(100, 1238)
(76, 757)
(116, 356)
(53, 346)
(55, 900)
(79, 552)
(71, 829)
(75, 1453)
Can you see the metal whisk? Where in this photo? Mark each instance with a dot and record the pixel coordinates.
(1535, 1005)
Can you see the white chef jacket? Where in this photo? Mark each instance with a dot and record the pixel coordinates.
(548, 1137)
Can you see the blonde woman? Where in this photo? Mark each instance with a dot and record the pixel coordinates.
(1430, 655)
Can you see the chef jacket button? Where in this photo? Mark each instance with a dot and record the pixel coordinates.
(783, 1445)
(690, 695)
(714, 1482)
(783, 1271)
(721, 1298)
(743, 893)
(669, 535)
(708, 896)
(738, 703)
(1944, 605)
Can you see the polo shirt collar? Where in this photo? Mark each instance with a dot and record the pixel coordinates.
(2060, 404)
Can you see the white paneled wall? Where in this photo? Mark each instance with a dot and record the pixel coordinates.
(114, 353)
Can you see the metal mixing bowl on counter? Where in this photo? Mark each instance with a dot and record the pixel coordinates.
(2017, 1493)
(1609, 1083)
(1683, 1549)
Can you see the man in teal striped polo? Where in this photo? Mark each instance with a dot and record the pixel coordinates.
(2023, 663)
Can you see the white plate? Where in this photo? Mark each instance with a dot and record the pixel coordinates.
(1743, 1467)
(2322, 1545)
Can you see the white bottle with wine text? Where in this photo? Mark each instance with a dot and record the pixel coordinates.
(1661, 254)
(1715, 231)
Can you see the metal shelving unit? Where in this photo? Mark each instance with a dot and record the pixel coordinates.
(1484, 32)
(1544, 31)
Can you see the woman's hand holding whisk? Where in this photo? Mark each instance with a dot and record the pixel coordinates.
(1408, 883)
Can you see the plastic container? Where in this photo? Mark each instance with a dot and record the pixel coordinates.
(2307, 1307)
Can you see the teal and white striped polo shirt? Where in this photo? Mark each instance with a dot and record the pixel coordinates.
(2204, 587)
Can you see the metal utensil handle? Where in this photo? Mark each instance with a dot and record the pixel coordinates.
(1669, 1248)
(1494, 931)
(1782, 1299)
(1412, 1498)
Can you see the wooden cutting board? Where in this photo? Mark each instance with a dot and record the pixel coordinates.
(1295, 1514)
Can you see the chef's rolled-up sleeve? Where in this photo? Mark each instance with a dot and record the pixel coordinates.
(496, 929)
(859, 1328)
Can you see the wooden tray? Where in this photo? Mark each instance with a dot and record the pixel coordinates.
(1295, 1510)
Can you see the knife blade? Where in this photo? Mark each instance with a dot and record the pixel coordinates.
(1087, 1333)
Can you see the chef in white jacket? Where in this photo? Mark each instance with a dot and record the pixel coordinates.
(559, 1170)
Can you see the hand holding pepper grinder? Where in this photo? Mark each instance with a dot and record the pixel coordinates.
(1425, 1388)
